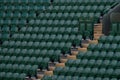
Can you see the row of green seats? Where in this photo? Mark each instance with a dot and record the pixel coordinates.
(21, 7)
(101, 63)
(77, 8)
(6, 28)
(13, 22)
(104, 47)
(19, 68)
(64, 46)
(53, 55)
(87, 71)
(36, 29)
(74, 39)
(59, 23)
(48, 30)
(79, 2)
(109, 39)
(12, 76)
(99, 55)
(19, 14)
(41, 62)
(68, 15)
(63, 77)
(115, 29)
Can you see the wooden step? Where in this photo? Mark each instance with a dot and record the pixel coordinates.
(82, 49)
(74, 52)
(96, 36)
(50, 73)
(40, 76)
(71, 57)
(93, 41)
(63, 60)
(51, 68)
(85, 45)
(60, 65)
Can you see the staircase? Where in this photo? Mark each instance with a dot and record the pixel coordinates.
(74, 52)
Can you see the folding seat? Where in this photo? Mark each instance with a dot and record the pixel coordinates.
(42, 29)
(56, 55)
(91, 47)
(69, 63)
(71, 71)
(91, 63)
(82, 8)
(58, 37)
(83, 62)
(101, 8)
(2, 75)
(48, 29)
(83, 78)
(62, 8)
(81, 55)
(109, 72)
(36, 29)
(52, 37)
(102, 39)
(102, 55)
(101, 72)
(87, 71)
(98, 78)
(96, 15)
(105, 63)
(68, 8)
(9, 76)
(19, 59)
(87, 54)
(5, 36)
(65, 37)
(8, 68)
(105, 47)
(33, 37)
(88, 8)
(113, 47)
(98, 63)
(116, 39)
(22, 76)
(68, 78)
(61, 77)
(116, 73)
(15, 76)
(43, 52)
(57, 70)
(40, 36)
(26, 60)
(12, 59)
(75, 8)
(44, 63)
(109, 39)
(106, 79)
(75, 30)
(46, 37)
(75, 78)
(5, 29)
(23, 52)
(64, 71)
(98, 47)
(113, 63)
(114, 79)
(94, 8)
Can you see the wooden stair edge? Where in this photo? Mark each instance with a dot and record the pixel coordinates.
(71, 57)
(50, 73)
(82, 49)
(60, 65)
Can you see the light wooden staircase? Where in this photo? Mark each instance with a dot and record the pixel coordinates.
(74, 52)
